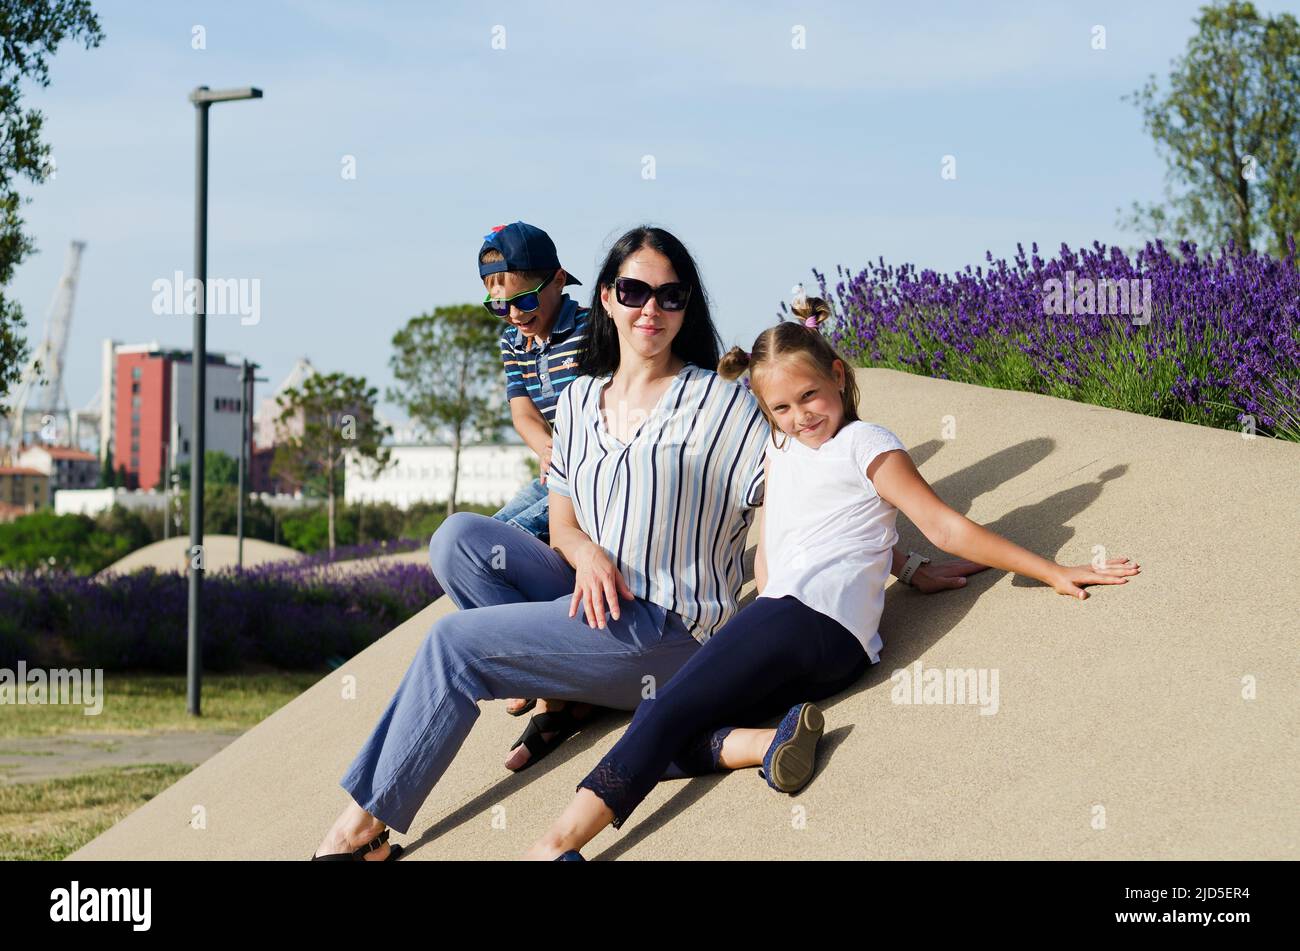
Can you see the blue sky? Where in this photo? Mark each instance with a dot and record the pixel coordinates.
(768, 160)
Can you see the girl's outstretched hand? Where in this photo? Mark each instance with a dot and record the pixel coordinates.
(1072, 578)
(944, 575)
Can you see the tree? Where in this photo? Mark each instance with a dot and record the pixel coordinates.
(43, 540)
(31, 30)
(323, 421)
(448, 366)
(107, 475)
(1229, 128)
(218, 469)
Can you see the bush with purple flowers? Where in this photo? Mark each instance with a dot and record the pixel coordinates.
(288, 616)
(363, 550)
(1220, 345)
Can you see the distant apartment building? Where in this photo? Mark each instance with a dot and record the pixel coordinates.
(151, 409)
(64, 467)
(266, 421)
(24, 488)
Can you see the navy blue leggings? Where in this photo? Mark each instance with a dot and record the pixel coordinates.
(774, 653)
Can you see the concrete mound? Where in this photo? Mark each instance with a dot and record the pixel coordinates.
(1155, 719)
(220, 551)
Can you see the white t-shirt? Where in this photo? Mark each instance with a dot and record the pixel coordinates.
(827, 534)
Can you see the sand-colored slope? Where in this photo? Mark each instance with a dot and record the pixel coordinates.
(1121, 732)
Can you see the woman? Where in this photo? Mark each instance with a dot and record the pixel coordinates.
(656, 468)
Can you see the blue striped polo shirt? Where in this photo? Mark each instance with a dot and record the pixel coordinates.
(673, 506)
(542, 372)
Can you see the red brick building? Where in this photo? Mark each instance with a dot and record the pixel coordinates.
(152, 411)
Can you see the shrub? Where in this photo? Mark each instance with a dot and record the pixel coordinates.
(1221, 347)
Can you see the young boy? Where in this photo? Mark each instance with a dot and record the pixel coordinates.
(539, 348)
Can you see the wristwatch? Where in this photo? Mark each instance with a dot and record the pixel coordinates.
(914, 561)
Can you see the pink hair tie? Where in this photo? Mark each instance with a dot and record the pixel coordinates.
(800, 299)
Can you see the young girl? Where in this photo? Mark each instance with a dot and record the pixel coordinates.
(834, 486)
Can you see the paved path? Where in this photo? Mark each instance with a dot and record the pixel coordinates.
(31, 759)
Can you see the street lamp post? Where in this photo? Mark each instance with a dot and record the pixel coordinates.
(247, 369)
(203, 98)
(167, 498)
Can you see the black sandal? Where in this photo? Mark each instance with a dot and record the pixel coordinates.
(560, 722)
(359, 855)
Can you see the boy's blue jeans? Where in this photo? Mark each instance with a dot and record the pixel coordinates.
(529, 510)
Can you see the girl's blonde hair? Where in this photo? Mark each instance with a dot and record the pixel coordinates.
(794, 338)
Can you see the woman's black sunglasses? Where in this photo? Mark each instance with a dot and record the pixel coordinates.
(633, 293)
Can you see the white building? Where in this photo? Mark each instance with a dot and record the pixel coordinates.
(94, 501)
(221, 417)
(489, 475)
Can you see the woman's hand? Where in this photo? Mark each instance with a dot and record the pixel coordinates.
(1071, 578)
(598, 584)
(944, 575)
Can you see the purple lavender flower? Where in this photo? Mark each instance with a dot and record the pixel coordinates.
(1220, 345)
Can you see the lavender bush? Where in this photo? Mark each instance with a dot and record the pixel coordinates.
(1220, 345)
(364, 550)
(289, 616)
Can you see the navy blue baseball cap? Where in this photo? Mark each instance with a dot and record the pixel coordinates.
(523, 247)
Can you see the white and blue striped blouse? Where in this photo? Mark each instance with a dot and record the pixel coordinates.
(671, 507)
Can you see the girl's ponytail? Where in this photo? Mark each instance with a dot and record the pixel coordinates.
(733, 363)
(811, 311)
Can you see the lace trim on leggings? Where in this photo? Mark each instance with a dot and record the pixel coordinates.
(613, 784)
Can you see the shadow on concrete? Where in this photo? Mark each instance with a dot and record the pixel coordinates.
(911, 624)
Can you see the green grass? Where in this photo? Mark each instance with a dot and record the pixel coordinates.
(137, 703)
(55, 817)
(49, 820)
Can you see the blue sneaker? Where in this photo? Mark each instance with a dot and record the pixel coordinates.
(788, 764)
(573, 855)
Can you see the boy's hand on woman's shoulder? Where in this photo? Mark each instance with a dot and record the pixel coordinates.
(544, 460)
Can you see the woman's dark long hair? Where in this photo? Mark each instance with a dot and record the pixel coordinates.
(696, 342)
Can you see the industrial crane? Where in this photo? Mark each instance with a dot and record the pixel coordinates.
(41, 400)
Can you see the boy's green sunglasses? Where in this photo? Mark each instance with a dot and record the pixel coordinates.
(526, 301)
